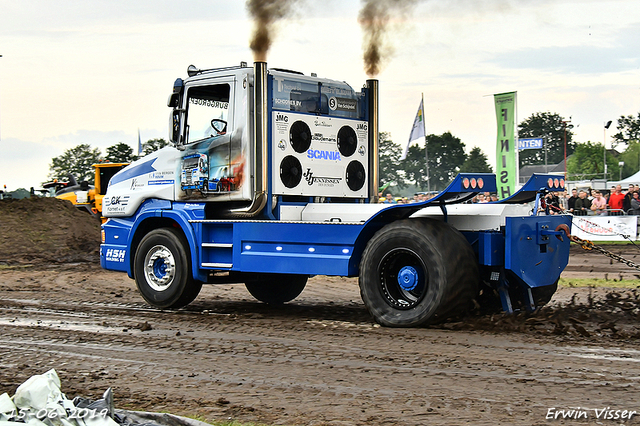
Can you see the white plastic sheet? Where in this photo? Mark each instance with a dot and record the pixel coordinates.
(40, 402)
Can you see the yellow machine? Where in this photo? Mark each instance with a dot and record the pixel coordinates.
(84, 196)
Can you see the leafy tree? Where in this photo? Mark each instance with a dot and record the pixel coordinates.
(446, 156)
(415, 168)
(120, 153)
(629, 130)
(389, 153)
(587, 161)
(153, 145)
(549, 126)
(476, 162)
(76, 161)
(19, 194)
(631, 158)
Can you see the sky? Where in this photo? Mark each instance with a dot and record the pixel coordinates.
(100, 71)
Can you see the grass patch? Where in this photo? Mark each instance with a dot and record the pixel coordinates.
(598, 282)
(201, 418)
(613, 243)
(9, 267)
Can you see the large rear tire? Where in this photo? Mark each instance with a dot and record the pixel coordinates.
(417, 271)
(276, 289)
(162, 270)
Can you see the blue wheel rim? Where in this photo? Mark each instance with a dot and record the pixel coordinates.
(403, 278)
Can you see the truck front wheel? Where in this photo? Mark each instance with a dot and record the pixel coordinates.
(162, 269)
(417, 271)
(276, 289)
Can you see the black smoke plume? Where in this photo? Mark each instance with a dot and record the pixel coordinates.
(374, 18)
(265, 14)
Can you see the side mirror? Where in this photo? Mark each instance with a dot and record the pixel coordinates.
(174, 125)
(174, 98)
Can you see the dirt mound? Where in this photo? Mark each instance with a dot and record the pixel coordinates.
(46, 230)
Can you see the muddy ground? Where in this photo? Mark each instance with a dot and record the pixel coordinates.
(319, 360)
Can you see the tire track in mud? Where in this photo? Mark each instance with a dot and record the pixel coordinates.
(232, 352)
(316, 361)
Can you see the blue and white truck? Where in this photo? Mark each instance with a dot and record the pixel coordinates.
(273, 177)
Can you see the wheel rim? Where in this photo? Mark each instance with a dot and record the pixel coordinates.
(159, 268)
(403, 278)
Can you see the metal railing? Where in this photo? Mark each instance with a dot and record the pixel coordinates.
(605, 212)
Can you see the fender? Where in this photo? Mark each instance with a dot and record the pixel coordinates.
(125, 229)
(147, 210)
(181, 213)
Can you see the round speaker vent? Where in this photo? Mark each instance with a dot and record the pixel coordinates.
(355, 175)
(290, 171)
(347, 141)
(300, 136)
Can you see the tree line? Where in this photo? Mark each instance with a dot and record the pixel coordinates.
(445, 156)
(77, 161)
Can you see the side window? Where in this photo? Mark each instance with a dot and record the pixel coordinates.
(207, 111)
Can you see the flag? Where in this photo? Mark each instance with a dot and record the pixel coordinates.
(417, 131)
(506, 160)
(139, 143)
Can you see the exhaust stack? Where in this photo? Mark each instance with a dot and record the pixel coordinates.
(260, 157)
(374, 139)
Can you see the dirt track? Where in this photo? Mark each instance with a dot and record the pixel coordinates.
(319, 360)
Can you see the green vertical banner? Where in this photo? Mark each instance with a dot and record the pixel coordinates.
(506, 150)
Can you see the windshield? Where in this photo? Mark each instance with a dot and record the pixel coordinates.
(205, 104)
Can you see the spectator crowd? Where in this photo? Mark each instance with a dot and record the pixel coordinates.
(617, 202)
(582, 202)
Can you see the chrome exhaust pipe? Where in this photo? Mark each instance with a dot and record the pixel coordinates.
(260, 154)
(374, 140)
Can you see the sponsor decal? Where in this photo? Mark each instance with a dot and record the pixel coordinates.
(342, 104)
(362, 150)
(287, 102)
(209, 103)
(322, 138)
(115, 255)
(320, 180)
(162, 182)
(282, 118)
(362, 126)
(161, 175)
(321, 123)
(282, 145)
(136, 184)
(323, 155)
(287, 86)
(116, 200)
(340, 91)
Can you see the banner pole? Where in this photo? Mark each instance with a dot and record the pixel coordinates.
(426, 151)
(517, 136)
